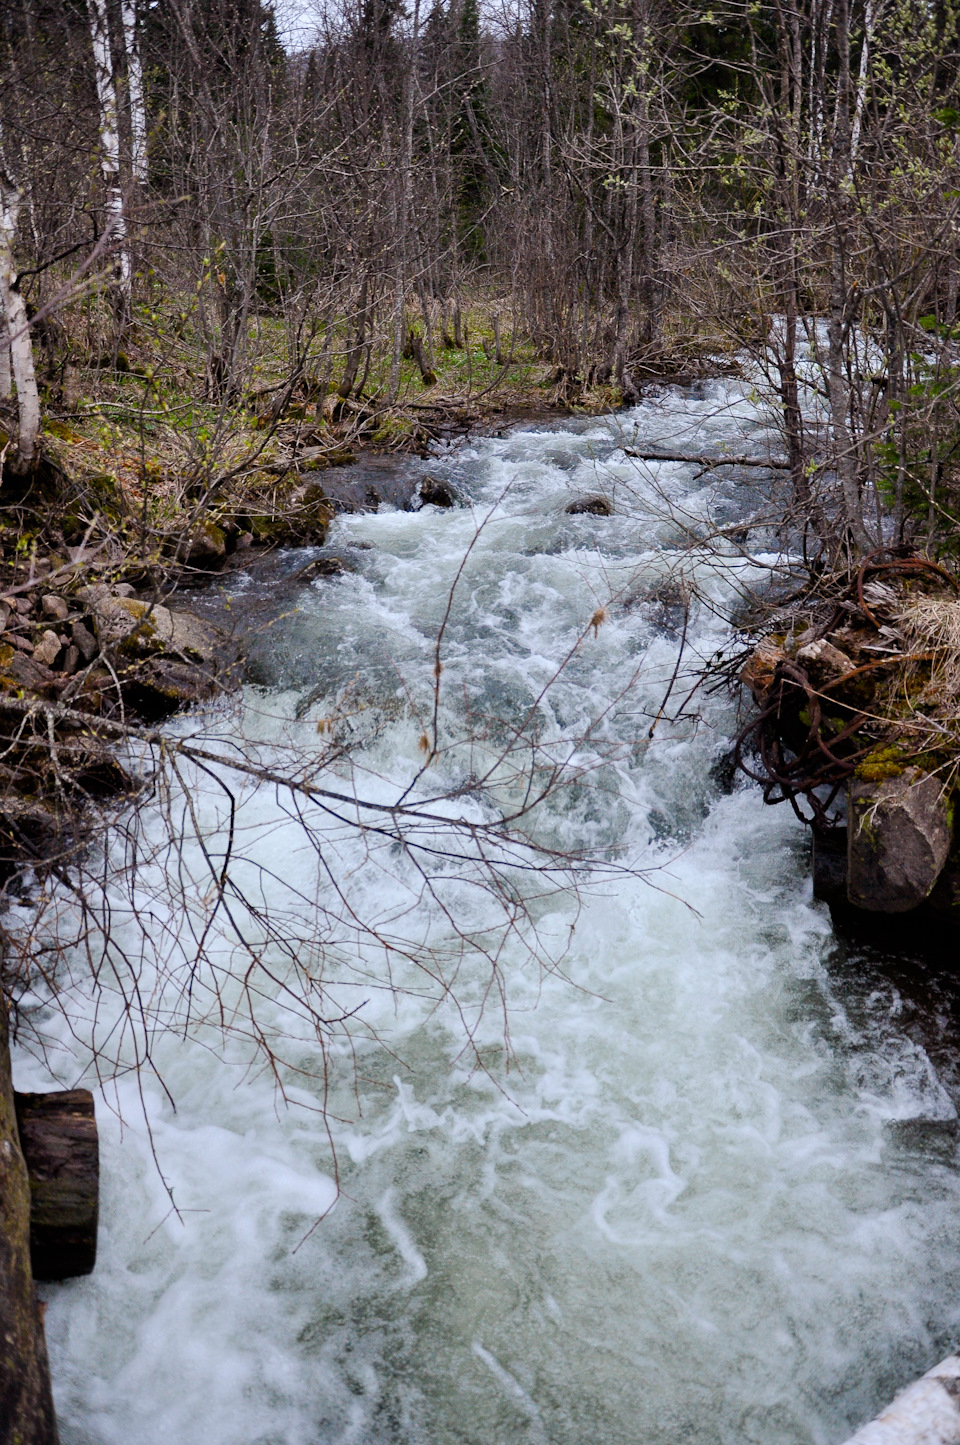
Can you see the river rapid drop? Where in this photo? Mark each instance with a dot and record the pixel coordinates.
(711, 1192)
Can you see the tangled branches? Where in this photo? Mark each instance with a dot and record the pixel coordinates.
(865, 684)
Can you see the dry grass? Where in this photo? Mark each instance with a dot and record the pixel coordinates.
(932, 624)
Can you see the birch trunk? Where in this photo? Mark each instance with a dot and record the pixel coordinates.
(403, 223)
(6, 376)
(138, 112)
(869, 23)
(18, 327)
(838, 397)
(110, 155)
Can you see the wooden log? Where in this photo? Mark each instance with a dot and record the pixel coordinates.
(58, 1135)
(26, 1405)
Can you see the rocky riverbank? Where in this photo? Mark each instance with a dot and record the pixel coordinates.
(857, 726)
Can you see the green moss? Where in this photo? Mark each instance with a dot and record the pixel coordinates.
(883, 763)
(61, 430)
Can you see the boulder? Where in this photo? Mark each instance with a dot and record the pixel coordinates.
(592, 506)
(208, 545)
(145, 629)
(170, 658)
(899, 837)
(436, 493)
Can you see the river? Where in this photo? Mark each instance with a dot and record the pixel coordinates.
(710, 1192)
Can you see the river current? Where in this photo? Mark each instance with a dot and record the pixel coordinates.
(709, 1193)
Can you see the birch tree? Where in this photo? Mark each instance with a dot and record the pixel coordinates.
(138, 111)
(110, 157)
(14, 309)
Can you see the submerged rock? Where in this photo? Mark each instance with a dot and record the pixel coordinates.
(899, 839)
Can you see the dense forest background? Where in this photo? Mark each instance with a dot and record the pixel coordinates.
(622, 186)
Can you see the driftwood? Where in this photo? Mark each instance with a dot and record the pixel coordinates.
(925, 1413)
(26, 1406)
(699, 460)
(58, 1136)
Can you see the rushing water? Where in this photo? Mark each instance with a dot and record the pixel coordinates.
(713, 1193)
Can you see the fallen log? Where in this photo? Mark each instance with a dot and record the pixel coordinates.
(697, 459)
(58, 1136)
(26, 1405)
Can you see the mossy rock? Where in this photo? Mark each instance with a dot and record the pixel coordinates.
(882, 763)
(208, 544)
(300, 513)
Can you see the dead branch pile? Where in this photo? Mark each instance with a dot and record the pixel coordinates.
(863, 682)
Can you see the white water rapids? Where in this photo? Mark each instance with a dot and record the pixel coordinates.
(714, 1194)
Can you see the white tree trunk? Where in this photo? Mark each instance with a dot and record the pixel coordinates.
(6, 376)
(869, 22)
(18, 327)
(110, 150)
(138, 113)
(925, 1413)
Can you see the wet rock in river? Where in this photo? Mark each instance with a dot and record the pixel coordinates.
(436, 493)
(829, 865)
(596, 506)
(899, 839)
(325, 567)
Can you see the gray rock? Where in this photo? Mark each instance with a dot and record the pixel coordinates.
(85, 641)
(144, 629)
(54, 607)
(208, 545)
(595, 506)
(899, 838)
(47, 648)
